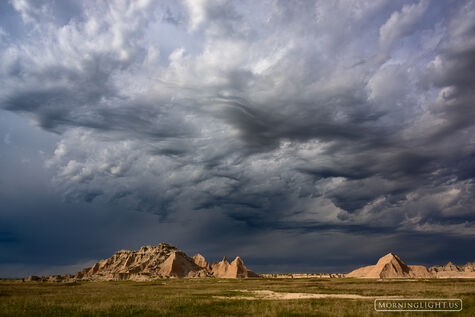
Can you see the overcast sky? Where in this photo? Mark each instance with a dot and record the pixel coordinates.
(303, 136)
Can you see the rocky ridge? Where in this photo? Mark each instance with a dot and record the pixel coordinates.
(165, 261)
(153, 262)
(451, 270)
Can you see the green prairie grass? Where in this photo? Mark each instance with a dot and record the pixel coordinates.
(197, 297)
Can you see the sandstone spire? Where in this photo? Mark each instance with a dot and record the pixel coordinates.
(201, 261)
(235, 269)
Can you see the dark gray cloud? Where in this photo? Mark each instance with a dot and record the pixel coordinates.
(249, 124)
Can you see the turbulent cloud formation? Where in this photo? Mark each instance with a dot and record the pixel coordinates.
(282, 117)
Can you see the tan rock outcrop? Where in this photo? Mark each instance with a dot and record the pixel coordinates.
(451, 270)
(235, 269)
(149, 262)
(180, 265)
(391, 266)
(201, 261)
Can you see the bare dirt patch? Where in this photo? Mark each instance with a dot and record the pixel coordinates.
(271, 295)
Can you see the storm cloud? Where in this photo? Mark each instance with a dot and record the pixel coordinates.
(254, 124)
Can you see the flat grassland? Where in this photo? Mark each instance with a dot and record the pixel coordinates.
(222, 297)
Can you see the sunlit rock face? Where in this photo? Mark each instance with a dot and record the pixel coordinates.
(391, 266)
(235, 269)
(451, 270)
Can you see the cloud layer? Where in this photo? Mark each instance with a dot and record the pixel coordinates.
(289, 118)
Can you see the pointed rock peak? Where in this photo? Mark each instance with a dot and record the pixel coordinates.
(390, 257)
(236, 269)
(200, 260)
(198, 256)
(176, 254)
(391, 266)
(225, 260)
(177, 264)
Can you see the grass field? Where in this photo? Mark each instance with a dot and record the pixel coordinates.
(214, 297)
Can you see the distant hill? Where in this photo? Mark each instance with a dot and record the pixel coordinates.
(391, 266)
(451, 270)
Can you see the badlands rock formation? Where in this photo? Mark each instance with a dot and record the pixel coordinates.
(451, 270)
(235, 269)
(152, 262)
(201, 262)
(391, 266)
